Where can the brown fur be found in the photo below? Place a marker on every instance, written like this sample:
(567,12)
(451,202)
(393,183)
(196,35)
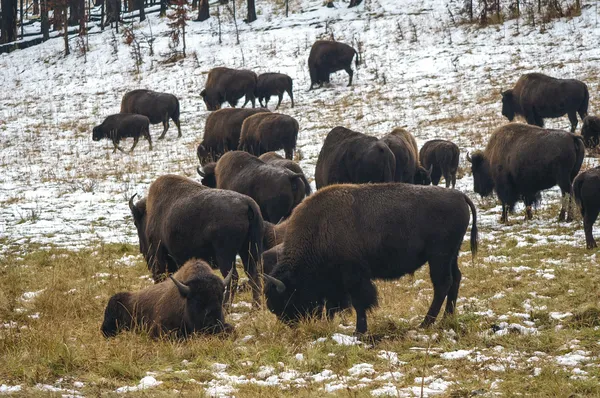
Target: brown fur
(228,85)
(442,157)
(266,132)
(269,84)
(158,107)
(327,57)
(586,190)
(277,160)
(123,125)
(591,131)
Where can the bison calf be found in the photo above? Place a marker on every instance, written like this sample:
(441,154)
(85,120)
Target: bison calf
(191,301)
(327,57)
(586,189)
(123,125)
(269,84)
(408,168)
(158,107)
(441,157)
(591,131)
(228,85)
(266,132)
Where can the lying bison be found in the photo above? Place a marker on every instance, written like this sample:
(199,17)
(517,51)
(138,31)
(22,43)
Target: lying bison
(586,190)
(276,160)
(344,236)
(442,158)
(521,160)
(190,302)
(591,131)
(180,219)
(404,147)
(327,57)
(351,157)
(158,107)
(537,96)
(228,85)
(269,84)
(276,190)
(222,132)
(266,132)
(123,125)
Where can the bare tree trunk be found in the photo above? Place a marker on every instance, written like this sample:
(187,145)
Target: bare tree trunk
(287,7)
(8,31)
(251,11)
(183,38)
(203,11)
(36,7)
(102,16)
(163,8)
(470,10)
(21,18)
(45,23)
(66,31)
(82,15)
(140,6)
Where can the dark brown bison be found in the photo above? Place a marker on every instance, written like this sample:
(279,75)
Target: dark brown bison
(351,157)
(266,132)
(537,96)
(442,158)
(277,160)
(404,147)
(228,85)
(344,236)
(270,258)
(222,132)
(591,131)
(269,84)
(180,219)
(327,57)
(274,234)
(521,160)
(158,107)
(123,125)
(190,302)
(586,190)
(277,190)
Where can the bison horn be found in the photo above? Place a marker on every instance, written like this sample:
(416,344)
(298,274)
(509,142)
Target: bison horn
(430,169)
(134,210)
(469,158)
(227,279)
(278,284)
(200,172)
(183,289)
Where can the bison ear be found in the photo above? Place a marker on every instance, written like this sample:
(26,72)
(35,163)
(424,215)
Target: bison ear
(184,290)
(506,94)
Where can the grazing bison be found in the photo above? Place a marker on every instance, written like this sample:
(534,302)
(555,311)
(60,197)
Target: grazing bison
(521,160)
(404,147)
(591,131)
(180,219)
(586,190)
(190,302)
(270,258)
(441,157)
(123,125)
(327,57)
(222,132)
(158,107)
(266,132)
(351,157)
(228,85)
(344,236)
(537,96)
(269,84)
(276,190)
(276,160)
(274,234)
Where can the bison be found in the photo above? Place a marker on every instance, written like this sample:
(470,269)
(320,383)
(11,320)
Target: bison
(269,84)
(228,85)
(537,96)
(344,236)
(441,157)
(404,147)
(327,57)
(521,160)
(266,132)
(351,157)
(222,132)
(180,219)
(591,131)
(276,190)
(586,190)
(276,160)
(190,302)
(158,107)
(123,125)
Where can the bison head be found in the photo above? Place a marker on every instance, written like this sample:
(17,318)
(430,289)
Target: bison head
(209,178)
(138,211)
(211,99)
(423,175)
(204,155)
(591,131)
(508,109)
(483,184)
(117,315)
(97,133)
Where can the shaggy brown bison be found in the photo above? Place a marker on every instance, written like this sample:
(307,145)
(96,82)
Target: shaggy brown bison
(276,160)
(228,85)
(266,132)
(269,84)
(586,190)
(537,96)
(190,302)
(277,190)
(344,236)
(591,131)
(442,158)
(351,157)
(521,160)
(123,125)
(404,147)
(327,57)
(158,107)
(180,219)
(222,132)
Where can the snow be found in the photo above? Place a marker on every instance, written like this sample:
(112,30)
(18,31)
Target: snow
(145,383)
(344,339)
(573,358)
(5,389)
(459,354)
(29,296)
(361,369)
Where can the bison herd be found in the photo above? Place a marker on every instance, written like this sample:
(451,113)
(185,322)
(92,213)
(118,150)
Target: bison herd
(373,215)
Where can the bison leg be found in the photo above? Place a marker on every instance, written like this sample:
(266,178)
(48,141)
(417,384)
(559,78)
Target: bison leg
(453,292)
(149,138)
(251,269)
(448,179)
(267,98)
(504,218)
(453,180)
(279,103)
(135,142)
(226,262)
(289,153)
(165,127)
(291,96)
(363,297)
(350,74)
(441,277)
(573,120)
(178,124)
(589,218)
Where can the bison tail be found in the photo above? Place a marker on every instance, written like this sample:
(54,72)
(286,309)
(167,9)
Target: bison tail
(474,231)
(583,109)
(577,185)
(255,234)
(579,155)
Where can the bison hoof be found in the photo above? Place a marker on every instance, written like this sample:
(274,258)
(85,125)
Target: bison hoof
(592,245)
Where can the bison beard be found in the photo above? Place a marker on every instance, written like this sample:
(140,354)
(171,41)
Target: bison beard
(336,244)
